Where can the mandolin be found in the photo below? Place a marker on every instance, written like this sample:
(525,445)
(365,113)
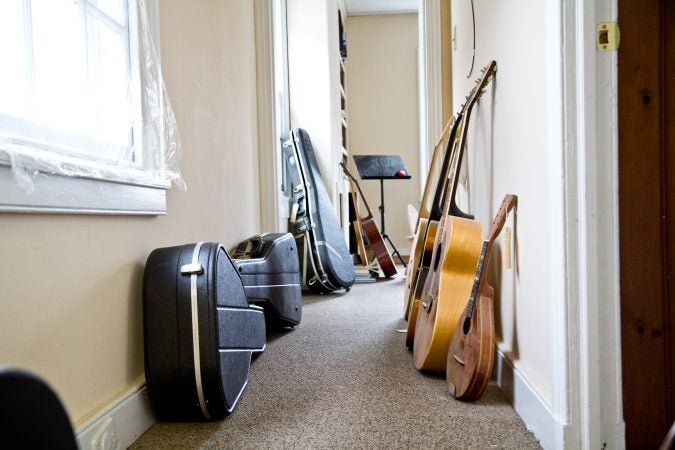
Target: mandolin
(371,231)
(457,248)
(444,200)
(422,223)
(472,348)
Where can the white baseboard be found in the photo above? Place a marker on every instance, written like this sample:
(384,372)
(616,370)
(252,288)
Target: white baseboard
(119,424)
(528,403)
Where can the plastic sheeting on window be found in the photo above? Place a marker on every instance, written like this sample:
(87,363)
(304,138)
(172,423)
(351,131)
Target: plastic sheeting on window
(119,127)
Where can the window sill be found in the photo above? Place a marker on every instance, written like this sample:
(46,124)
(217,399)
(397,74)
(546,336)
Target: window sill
(68,195)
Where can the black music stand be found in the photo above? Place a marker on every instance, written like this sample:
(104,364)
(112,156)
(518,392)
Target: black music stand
(382,167)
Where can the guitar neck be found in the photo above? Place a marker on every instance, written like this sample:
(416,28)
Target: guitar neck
(451,182)
(441,187)
(510,201)
(426,207)
(483,260)
(358,188)
(458,145)
(461,146)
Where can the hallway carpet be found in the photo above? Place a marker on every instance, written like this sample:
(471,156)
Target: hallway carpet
(343,378)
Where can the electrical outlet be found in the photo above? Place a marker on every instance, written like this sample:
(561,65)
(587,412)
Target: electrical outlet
(105,437)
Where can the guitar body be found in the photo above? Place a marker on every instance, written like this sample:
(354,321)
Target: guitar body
(369,228)
(422,271)
(472,350)
(429,214)
(413,269)
(422,247)
(379,248)
(447,288)
(360,245)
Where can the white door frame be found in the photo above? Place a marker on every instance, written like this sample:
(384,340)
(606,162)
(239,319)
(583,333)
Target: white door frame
(593,335)
(429,82)
(268,145)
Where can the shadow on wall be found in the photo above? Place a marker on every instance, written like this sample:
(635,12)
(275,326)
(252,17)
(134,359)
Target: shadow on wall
(135,319)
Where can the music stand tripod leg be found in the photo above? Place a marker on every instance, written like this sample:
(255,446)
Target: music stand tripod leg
(384,233)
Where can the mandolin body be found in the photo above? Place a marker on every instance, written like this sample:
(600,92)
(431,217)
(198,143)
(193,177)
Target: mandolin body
(446,291)
(472,350)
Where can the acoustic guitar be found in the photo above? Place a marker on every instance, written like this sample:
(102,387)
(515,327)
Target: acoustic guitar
(422,222)
(371,231)
(444,199)
(472,348)
(457,248)
(358,233)
(427,233)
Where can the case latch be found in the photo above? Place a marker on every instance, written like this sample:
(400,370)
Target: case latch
(192,269)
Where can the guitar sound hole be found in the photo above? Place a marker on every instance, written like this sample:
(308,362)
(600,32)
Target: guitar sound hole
(437,258)
(467,325)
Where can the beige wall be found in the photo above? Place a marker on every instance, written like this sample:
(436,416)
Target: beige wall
(70,299)
(383,111)
(508,153)
(313,82)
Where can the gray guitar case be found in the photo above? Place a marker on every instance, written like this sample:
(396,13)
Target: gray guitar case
(199,332)
(326,265)
(270,270)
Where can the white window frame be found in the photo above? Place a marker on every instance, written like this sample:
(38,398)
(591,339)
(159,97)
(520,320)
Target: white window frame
(103,192)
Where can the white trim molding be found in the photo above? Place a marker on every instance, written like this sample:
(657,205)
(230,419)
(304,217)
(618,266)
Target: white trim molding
(118,425)
(561,344)
(593,339)
(430,86)
(268,145)
(527,402)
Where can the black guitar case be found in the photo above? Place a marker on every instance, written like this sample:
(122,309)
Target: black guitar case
(199,330)
(326,264)
(31,414)
(270,270)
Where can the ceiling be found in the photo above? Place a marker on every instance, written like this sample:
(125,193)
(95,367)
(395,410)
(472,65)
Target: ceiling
(362,7)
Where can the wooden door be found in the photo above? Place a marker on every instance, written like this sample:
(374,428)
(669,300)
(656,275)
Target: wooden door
(646,205)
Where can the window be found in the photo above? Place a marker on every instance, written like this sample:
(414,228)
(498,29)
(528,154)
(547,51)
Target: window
(82,104)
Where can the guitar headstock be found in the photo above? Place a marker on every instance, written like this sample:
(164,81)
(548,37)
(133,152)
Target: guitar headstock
(481,83)
(510,201)
(478,90)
